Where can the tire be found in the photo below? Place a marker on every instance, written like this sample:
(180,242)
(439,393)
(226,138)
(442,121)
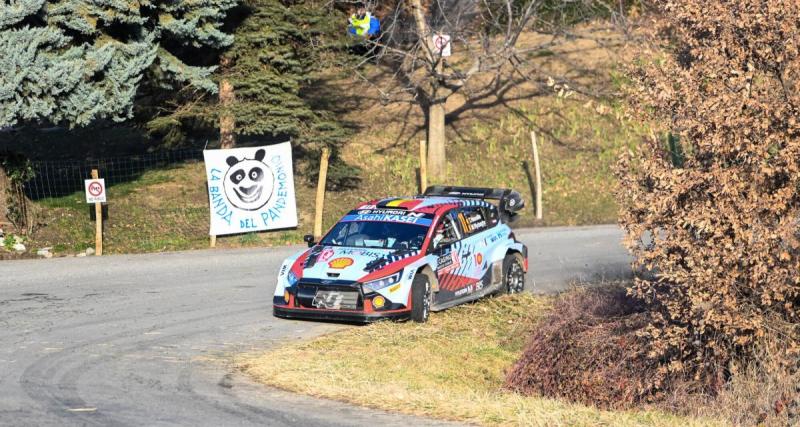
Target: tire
(420,298)
(513,275)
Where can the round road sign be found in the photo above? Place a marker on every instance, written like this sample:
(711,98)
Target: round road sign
(95,189)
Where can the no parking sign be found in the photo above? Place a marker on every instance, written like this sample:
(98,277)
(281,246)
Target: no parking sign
(441,44)
(95,190)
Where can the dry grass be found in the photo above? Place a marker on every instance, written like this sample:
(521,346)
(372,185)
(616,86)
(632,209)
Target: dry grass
(579,142)
(762,392)
(588,350)
(453,368)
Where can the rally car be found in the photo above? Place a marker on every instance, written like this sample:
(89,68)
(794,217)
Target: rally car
(401,258)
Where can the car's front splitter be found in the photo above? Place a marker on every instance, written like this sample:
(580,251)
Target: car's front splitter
(337,315)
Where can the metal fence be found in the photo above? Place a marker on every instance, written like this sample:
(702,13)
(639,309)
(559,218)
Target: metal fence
(180,221)
(58,178)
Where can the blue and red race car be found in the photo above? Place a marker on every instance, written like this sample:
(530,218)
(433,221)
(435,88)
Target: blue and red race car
(403,258)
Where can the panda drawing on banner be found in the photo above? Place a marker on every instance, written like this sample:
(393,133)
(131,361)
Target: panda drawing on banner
(251,189)
(248,183)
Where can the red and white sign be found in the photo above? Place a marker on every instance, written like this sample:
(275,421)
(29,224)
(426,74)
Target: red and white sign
(95,190)
(441,44)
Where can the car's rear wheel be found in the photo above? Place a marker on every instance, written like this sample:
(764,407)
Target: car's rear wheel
(420,298)
(513,275)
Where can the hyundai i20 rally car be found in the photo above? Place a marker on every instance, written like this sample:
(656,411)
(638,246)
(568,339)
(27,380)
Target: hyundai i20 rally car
(403,258)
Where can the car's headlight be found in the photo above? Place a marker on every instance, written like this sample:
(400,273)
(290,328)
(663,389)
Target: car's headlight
(292,278)
(383,282)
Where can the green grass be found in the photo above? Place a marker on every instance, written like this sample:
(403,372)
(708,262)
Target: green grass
(162,210)
(452,367)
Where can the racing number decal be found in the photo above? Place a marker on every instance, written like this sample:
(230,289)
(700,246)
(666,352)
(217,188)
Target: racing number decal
(465,225)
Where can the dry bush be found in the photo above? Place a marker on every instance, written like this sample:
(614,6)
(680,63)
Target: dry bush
(587,350)
(762,392)
(716,214)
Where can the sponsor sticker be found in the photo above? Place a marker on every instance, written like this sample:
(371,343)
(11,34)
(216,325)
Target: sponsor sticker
(464,291)
(340,263)
(389,215)
(418,219)
(326,254)
(329,300)
(447,262)
(361,253)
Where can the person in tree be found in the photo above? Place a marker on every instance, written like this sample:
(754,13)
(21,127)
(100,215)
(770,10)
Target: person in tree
(362,23)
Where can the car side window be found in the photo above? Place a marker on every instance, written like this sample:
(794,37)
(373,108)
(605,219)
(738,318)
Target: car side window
(446,231)
(492,216)
(473,219)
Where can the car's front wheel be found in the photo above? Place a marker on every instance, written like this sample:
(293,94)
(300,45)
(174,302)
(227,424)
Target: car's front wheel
(420,298)
(513,275)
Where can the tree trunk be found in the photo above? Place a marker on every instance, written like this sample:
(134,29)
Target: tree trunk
(227,123)
(15,210)
(437,165)
(5,192)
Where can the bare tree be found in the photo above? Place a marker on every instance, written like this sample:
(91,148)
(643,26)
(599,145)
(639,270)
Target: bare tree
(227,122)
(487,60)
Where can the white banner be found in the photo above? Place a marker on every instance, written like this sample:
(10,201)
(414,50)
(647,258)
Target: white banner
(251,189)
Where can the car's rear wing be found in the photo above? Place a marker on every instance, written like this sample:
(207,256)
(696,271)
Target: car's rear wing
(509,201)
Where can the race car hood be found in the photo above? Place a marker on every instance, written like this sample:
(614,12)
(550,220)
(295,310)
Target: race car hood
(344,263)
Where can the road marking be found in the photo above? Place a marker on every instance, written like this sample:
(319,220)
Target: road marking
(81,409)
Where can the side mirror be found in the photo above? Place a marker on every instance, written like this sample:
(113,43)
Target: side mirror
(309,239)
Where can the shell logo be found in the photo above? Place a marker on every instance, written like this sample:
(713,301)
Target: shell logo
(479,259)
(340,263)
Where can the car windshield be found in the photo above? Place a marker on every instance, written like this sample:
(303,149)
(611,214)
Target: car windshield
(376,234)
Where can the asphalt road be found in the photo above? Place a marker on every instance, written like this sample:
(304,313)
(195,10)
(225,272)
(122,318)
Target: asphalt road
(148,339)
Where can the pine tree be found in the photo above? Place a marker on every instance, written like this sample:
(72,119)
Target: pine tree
(272,66)
(75,61)
(271,62)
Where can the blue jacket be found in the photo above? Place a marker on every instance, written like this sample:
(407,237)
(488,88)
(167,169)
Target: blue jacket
(374,27)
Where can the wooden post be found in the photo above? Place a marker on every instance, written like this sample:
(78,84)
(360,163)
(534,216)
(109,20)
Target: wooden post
(213,242)
(423,166)
(320,203)
(98,215)
(538,172)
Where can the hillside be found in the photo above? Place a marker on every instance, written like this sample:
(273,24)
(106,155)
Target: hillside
(579,139)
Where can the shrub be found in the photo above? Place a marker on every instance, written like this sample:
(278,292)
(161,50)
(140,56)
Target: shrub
(761,392)
(588,350)
(720,228)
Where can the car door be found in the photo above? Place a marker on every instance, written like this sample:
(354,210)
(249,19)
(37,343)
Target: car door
(462,264)
(473,250)
(445,246)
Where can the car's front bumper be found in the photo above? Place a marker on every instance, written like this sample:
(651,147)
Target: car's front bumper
(287,312)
